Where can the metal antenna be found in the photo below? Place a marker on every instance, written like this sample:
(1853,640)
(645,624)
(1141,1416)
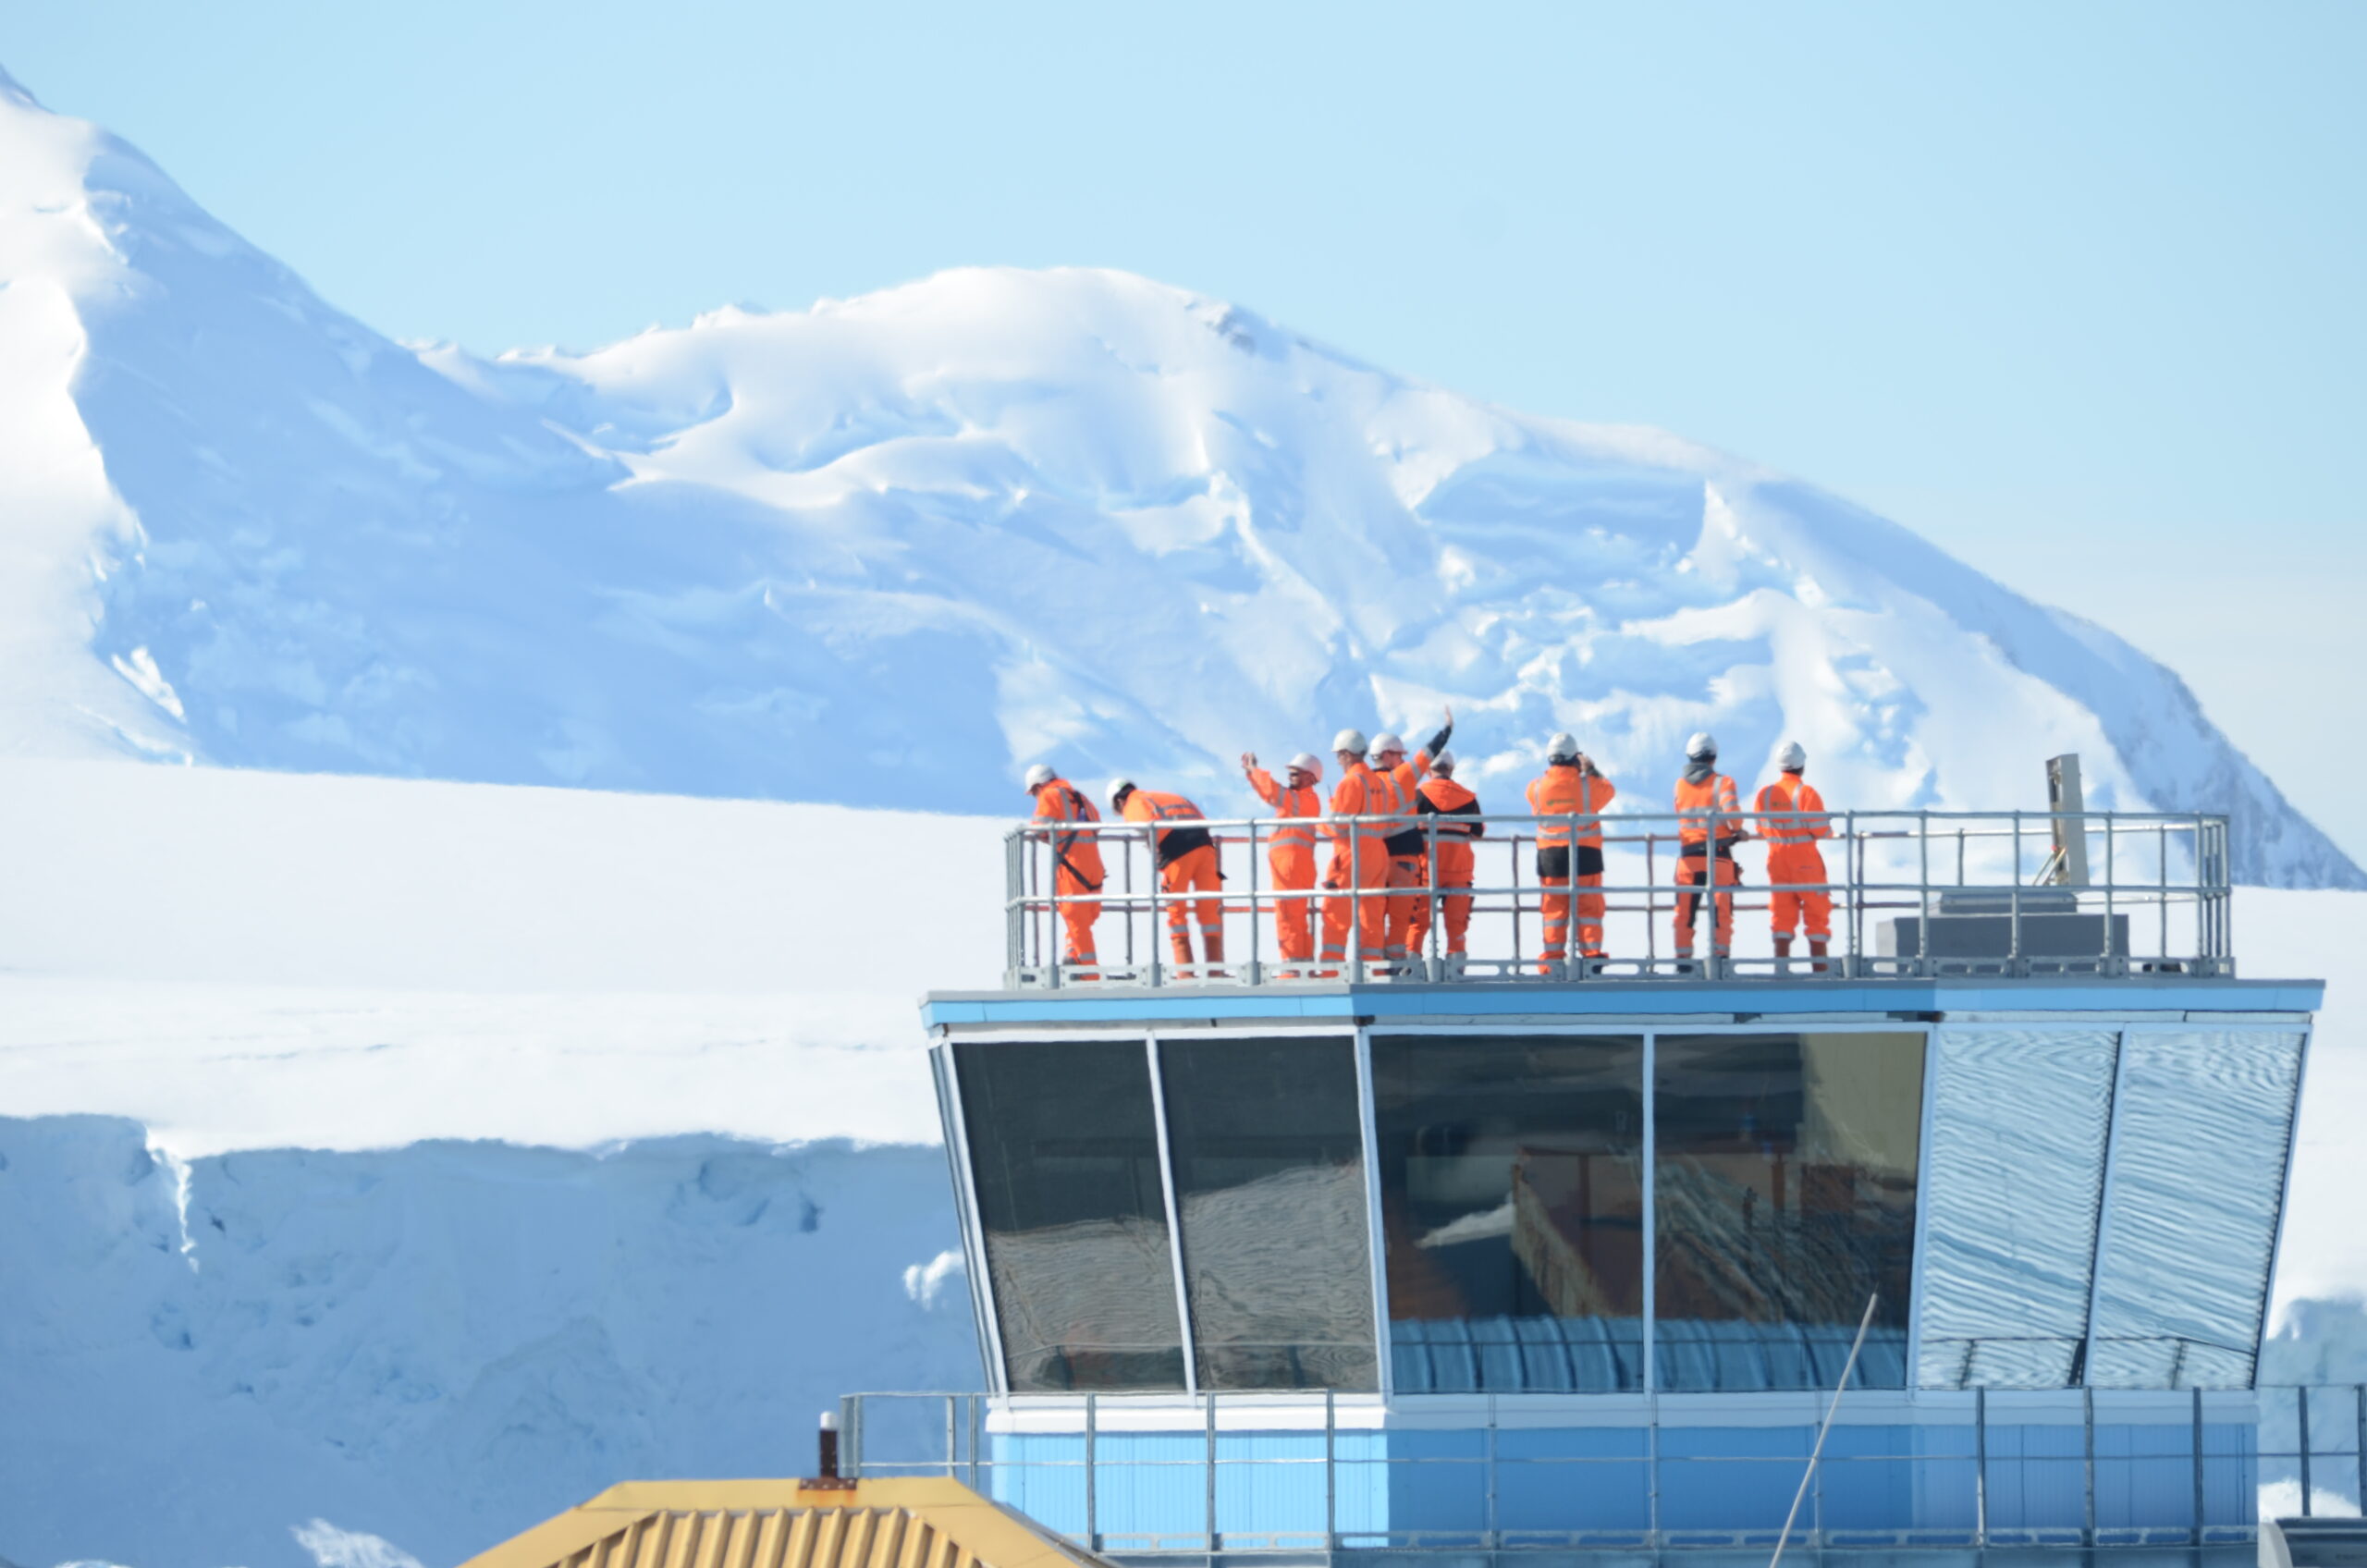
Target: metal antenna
(1817,1451)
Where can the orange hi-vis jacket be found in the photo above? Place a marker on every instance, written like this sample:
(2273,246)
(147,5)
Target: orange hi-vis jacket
(1077,855)
(1791,815)
(1561,792)
(1362,792)
(1451,808)
(1151,805)
(1298,808)
(1696,801)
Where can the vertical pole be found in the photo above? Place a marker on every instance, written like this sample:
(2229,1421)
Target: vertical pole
(1092,1473)
(1923,894)
(1650,1374)
(2014,925)
(1212,1399)
(1853,863)
(2302,1417)
(2198,1466)
(1356,971)
(1157,964)
(1127,861)
(952,1437)
(1331,1475)
(977,1402)
(2112,841)
(2359,1403)
(1980,1468)
(2088,1466)
(1256,966)
(1190,1341)
(1651,900)
(1513,845)
(1490,1536)
(1431,847)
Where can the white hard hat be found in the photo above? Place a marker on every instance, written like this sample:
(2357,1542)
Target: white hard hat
(1039,776)
(1307,763)
(1442,763)
(1563,747)
(1349,740)
(1388,741)
(1791,759)
(1119,788)
(1703,744)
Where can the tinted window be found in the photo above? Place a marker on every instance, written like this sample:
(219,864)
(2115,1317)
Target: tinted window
(1783,1184)
(1065,1157)
(1512,1202)
(1270,1189)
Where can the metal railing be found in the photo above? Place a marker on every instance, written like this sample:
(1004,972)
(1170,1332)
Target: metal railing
(1250,1474)
(1914,894)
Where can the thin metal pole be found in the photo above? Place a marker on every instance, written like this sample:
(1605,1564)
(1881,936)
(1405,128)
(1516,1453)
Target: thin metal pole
(1430,845)
(1981,1467)
(2359,1403)
(1211,1398)
(2087,1464)
(1256,970)
(1092,1473)
(952,1438)
(1331,1475)
(2198,1467)
(2301,1417)
(1830,1411)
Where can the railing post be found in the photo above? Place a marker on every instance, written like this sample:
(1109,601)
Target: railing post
(1157,964)
(1923,892)
(1255,968)
(1980,1468)
(2088,1466)
(1490,1536)
(1211,1398)
(2111,841)
(2198,1467)
(952,1438)
(2014,894)
(1331,1475)
(2302,1424)
(1092,1473)
(1852,865)
(1431,849)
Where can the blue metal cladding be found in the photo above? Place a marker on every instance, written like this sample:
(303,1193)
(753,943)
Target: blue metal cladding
(2014,1180)
(2202,1123)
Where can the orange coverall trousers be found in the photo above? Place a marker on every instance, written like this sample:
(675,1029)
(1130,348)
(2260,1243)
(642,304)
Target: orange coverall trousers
(1454,909)
(1357,863)
(1692,871)
(1293,865)
(1589,905)
(1195,871)
(1077,918)
(1797,864)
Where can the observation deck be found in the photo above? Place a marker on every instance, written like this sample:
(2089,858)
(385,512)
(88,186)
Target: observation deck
(1524,1250)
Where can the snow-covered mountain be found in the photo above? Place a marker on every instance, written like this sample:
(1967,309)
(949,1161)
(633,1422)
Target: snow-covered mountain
(890,550)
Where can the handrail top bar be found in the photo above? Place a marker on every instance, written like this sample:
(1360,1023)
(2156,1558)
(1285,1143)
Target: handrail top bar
(2187,821)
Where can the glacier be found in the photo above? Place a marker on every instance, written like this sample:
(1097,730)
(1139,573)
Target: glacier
(890,551)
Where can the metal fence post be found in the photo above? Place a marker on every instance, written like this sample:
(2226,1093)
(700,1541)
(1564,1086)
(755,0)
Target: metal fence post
(2198,1467)
(1092,1473)
(1490,1536)
(2088,1466)
(1150,848)
(2301,1426)
(1331,1475)
(2359,1404)
(1211,1398)
(1981,1467)
(1256,966)
(952,1437)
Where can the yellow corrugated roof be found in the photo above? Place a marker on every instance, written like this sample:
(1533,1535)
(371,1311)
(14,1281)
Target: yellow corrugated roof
(902,1523)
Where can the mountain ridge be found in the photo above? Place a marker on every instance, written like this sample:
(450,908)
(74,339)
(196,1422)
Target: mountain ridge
(891,549)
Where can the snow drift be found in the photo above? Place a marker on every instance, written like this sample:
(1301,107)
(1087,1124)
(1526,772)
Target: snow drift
(889,551)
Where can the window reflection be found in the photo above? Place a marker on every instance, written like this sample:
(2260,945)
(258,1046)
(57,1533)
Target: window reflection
(1270,1189)
(1785,1188)
(1065,1157)
(2015,1169)
(2190,1216)
(1512,1202)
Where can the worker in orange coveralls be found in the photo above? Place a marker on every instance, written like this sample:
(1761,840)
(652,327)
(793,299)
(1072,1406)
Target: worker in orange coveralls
(1456,811)
(1292,858)
(1408,855)
(1186,858)
(1791,819)
(1360,854)
(1077,862)
(1569,788)
(1699,861)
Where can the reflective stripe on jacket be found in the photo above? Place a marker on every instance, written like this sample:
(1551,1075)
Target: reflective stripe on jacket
(1301,805)
(1565,791)
(1174,843)
(1696,801)
(1361,792)
(1077,855)
(1790,813)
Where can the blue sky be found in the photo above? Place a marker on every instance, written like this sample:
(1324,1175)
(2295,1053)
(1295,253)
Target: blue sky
(2079,292)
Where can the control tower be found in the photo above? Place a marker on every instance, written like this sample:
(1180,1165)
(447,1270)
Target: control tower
(1511,1251)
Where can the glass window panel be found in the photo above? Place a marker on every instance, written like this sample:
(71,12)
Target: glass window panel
(1511,1172)
(1784,1182)
(2016,1173)
(2191,1207)
(1065,1157)
(1269,1188)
